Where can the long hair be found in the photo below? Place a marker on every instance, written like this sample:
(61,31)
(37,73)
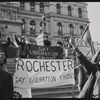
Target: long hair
(2,57)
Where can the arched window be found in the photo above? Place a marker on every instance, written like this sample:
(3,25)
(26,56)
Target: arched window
(81,29)
(59,28)
(58,8)
(80,12)
(41,7)
(40,26)
(32,6)
(71,29)
(22,5)
(69,11)
(23,26)
(32,27)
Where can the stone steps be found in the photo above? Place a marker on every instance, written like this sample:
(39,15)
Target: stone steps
(55,92)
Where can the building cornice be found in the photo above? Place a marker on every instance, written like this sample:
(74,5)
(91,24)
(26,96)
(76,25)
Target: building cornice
(24,12)
(10,22)
(37,14)
(68,17)
(83,3)
(10,7)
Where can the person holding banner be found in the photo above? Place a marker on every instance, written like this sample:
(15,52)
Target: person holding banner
(62,49)
(23,47)
(46,42)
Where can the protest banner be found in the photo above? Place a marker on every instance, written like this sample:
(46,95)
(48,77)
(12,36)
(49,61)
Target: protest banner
(42,52)
(37,52)
(22,93)
(40,73)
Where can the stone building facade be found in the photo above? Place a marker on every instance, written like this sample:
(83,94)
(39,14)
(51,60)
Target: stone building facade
(64,19)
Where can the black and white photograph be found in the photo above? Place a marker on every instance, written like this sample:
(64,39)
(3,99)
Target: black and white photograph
(49,49)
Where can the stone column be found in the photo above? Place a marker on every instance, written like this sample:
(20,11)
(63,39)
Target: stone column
(68,30)
(64,9)
(27,6)
(85,12)
(76,29)
(27,26)
(37,7)
(47,26)
(73,10)
(61,9)
(56,28)
(63,28)
(66,27)
(52,27)
(75,13)
(15,14)
(38,27)
(52,7)
(46,9)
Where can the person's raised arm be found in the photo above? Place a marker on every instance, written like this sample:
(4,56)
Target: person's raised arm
(16,39)
(8,42)
(84,61)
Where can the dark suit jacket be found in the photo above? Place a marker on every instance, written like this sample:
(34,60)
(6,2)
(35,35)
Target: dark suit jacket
(6,85)
(6,45)
(5,49)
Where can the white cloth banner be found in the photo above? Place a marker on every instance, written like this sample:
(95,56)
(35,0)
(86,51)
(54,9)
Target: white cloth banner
(40,73)
(22,93)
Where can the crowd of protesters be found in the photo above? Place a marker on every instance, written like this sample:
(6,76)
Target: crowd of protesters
(6,82)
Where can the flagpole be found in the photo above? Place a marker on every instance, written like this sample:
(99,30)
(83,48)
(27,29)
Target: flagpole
(79,38)
(39,39)
(82,35)
(92,48)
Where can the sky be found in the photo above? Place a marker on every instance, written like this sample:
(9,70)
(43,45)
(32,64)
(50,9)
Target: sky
(93,9)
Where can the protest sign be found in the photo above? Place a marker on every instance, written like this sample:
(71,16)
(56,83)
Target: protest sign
(40,73)
(37,52)
(43,52)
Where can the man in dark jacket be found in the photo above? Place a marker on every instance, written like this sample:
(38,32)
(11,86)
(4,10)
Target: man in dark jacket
(23,47)
(6,81)
(62,50)
(3,49)
(6,85)
(46,42)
